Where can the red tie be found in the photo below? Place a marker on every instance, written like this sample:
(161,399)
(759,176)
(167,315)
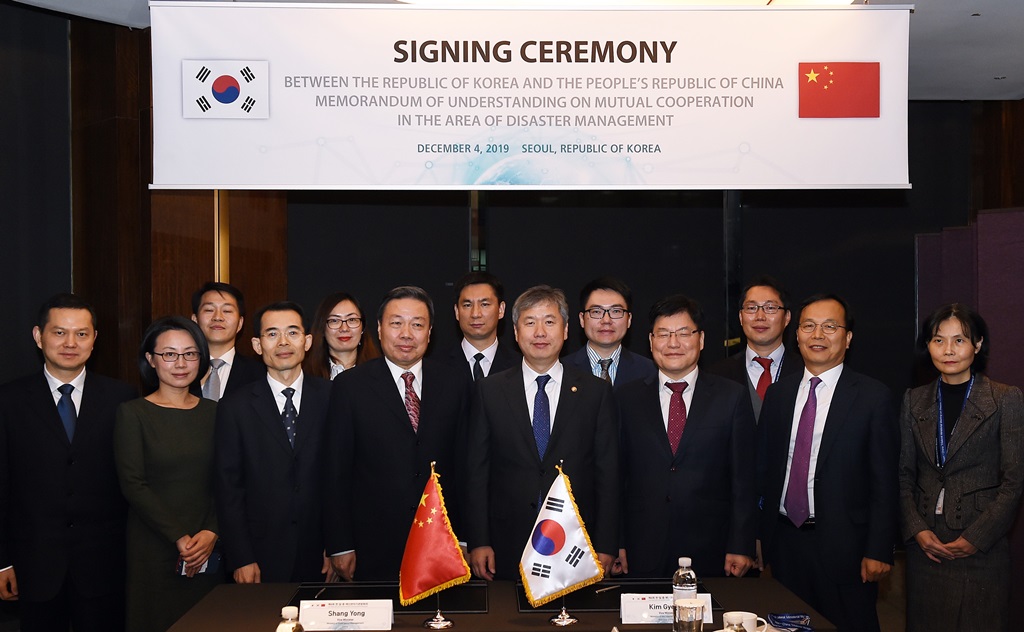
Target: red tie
(412,402)
(676,413)
(765,380)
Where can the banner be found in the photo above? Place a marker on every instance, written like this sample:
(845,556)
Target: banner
(352,96)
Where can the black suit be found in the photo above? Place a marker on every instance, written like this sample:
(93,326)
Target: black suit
(244,370)
(632,366)
(378,466)
(63,519)
(505,357)
(735,368)
(269,494)
(700,502)
(506,477)
(855,497)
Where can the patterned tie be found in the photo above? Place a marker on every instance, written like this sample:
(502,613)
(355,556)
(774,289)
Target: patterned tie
(605,364)
(478,371)
(66,410)
(289,415)
(676,413)
(765,380)
(211,390)
(412,401)
(541,416)
(797,507)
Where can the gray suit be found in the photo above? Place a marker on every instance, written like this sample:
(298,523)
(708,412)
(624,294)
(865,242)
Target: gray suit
(983,477)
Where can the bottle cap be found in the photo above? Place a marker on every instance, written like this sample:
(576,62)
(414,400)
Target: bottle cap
(684,561)
(289,612)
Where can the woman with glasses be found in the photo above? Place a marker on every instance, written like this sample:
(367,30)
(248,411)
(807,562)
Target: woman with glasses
(339,338)
(163,448)
(961,472)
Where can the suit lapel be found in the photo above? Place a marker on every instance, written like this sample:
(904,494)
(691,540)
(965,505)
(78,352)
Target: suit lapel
(651,420)
(842,400)
(264,405)
(41,400)
(312,411)
(980,405)
(696,414)
(568,399)
(386,390)
(515,400)
(787,410)
(925,411)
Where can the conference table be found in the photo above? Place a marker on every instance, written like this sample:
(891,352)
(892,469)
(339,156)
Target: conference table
(253,608)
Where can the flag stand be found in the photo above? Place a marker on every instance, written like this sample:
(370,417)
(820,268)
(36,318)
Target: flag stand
(438,621)
(563,618)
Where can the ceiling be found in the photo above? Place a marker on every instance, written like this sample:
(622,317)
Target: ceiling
(960,50)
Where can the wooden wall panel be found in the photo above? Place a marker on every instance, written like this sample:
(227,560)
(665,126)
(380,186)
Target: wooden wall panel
(182,256)
(258,252)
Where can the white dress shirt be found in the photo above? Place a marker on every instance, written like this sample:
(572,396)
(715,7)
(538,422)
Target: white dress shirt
(665,393)
(552,388)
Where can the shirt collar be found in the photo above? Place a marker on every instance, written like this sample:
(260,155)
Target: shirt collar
(78,382)
(830,377)
(555,373)
(397,371)
(228,357)
(690,379)
(775,355)
(471,351)
(277,387)
(595,357)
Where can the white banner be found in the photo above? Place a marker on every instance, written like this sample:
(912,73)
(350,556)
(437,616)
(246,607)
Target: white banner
(324,96)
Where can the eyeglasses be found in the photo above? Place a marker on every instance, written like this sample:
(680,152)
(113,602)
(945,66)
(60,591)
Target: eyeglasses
(291,334)
(769,308)
(828,328)
(172,356)
(353,322)
(680,334)
(597,313)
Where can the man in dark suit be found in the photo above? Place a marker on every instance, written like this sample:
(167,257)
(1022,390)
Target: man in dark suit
(687,457)
(389,419)
(527,420)
(479,307)
(269,483)
(63,517)
(764,315)
(219,310)
(828,456)
(605,319)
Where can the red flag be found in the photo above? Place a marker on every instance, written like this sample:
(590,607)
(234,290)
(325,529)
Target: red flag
(432,560)
(839,89)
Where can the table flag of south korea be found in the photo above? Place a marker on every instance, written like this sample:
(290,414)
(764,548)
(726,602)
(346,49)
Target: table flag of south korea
(559,557)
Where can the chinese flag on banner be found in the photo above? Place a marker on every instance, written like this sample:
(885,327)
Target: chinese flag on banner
(432,560)
(839,89)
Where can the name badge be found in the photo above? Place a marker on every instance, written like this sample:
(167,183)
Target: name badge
(638,608)
(369,614)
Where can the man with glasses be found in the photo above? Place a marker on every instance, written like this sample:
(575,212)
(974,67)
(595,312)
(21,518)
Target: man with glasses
(764,315)
(605,319)
(687,457)
(219,310)
(269,456)
(479,307)
(828,449)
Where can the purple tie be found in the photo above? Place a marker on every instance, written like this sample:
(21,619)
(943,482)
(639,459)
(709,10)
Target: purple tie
(797,507)
(412,401)
(676,414)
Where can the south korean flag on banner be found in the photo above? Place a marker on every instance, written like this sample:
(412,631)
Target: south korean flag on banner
(559,557)
(225,89)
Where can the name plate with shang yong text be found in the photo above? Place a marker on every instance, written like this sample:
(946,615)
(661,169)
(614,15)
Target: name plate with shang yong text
(368,614)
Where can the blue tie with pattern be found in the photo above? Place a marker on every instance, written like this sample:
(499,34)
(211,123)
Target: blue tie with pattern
(541,416)
(289,415)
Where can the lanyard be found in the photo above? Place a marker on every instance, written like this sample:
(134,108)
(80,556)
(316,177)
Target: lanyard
(940,439)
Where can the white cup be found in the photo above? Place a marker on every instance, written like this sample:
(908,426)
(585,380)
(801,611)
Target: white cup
(750,621)
(688,615)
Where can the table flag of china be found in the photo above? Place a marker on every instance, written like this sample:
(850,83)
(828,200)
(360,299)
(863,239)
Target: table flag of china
(839,89)
(432,560)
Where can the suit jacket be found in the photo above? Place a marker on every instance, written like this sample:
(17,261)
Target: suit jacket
(734,367)
(855,483)
(700,502)
(378,466)
(632,366)
(984,470)
(506,478)
(505,357)
(244,371)
(63,513)
(269,494)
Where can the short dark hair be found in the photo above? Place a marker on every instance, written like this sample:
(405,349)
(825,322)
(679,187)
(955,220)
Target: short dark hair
(606,283)
(480,278)
(63,300)
(973,325)
(766,281)
(280,306)
(677,304)
(223,288)
(406,291)
(171,323)
(814,298)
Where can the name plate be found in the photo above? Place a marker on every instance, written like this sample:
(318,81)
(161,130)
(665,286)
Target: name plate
(368,614)
(655,608)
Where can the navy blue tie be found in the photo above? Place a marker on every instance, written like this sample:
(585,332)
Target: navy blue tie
(289,415)
(66,410)
(541,416)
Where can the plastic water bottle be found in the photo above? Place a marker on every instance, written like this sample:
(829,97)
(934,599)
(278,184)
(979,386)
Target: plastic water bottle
(684,582)
(289,620)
